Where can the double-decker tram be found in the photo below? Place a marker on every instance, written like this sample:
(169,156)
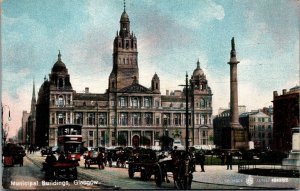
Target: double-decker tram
(69,140)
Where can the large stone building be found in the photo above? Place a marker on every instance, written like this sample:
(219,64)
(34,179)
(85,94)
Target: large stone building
(259,125)
(128,113)
(286,117)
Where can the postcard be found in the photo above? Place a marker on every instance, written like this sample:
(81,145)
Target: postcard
(149,94)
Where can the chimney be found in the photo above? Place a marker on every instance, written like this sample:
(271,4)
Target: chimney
(86,90)
(275,94)
(167,92)
(283,91)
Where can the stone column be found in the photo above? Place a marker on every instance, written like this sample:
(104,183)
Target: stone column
(234,110)
(236,132)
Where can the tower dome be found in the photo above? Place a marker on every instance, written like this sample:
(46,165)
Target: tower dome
(198,71)
(59,66)
(124,17)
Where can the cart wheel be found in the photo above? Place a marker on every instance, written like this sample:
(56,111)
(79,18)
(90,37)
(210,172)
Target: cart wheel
(158,175)
(130,172)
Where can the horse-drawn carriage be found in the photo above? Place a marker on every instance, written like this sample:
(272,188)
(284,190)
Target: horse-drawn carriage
(146,163)
(61,169)
(180,165)
(91,159)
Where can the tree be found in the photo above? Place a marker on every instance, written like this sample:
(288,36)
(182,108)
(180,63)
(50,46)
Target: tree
(176,134)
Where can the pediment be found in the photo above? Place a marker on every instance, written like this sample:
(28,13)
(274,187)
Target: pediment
(135,88)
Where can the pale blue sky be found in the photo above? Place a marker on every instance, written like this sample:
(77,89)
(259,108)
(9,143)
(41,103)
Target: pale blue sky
(172,35)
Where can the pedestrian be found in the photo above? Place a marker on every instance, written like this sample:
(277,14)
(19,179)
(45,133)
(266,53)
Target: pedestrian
(100,160)
(201,161)
(61,157)
(50,159)
(21,155)
(229,161)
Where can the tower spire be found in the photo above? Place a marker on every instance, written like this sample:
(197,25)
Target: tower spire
(198,64)
(124,5)
(232,53)
(33,90)
(59,55)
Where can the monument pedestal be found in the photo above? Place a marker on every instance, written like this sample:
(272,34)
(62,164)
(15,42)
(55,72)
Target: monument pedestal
(293,160)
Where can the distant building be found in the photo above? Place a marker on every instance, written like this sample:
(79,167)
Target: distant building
(221,121)
(24,127)
(128,113)
(286,117)
(260,128)
(258,124)
(30,133)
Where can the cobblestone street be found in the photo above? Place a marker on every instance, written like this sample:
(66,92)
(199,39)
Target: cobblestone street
(216,177)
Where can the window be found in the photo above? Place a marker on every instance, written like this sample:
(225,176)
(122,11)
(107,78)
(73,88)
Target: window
(202,103)
(202,119)
(91,118)
(147,102)
(136,119)
(60,83)
(123,119)
(166,119)
(60,101)
(61,118)
(91,134)
(148,118)
(177,119)
(102,119)
(78,118)
(135,102)
(122,102)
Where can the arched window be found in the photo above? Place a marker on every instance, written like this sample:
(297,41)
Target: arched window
(60,83)
(136,119)
(60,102)
(61,118)
(202,103)
(123,119)
(135,102)
(147,102)
(78,118)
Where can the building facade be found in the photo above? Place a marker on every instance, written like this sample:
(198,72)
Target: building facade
(260,128)
(128,113)
(286,117)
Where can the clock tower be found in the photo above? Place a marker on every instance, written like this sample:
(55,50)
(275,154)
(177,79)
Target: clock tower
(125,57)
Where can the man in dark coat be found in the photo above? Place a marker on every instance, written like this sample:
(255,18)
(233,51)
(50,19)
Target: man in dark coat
(229,161)
(201,161)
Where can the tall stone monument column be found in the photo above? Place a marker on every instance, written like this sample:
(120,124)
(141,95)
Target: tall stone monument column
(238,135)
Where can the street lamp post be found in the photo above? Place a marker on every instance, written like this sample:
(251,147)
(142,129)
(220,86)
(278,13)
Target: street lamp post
(97,128)
(186,113)
(192,84)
